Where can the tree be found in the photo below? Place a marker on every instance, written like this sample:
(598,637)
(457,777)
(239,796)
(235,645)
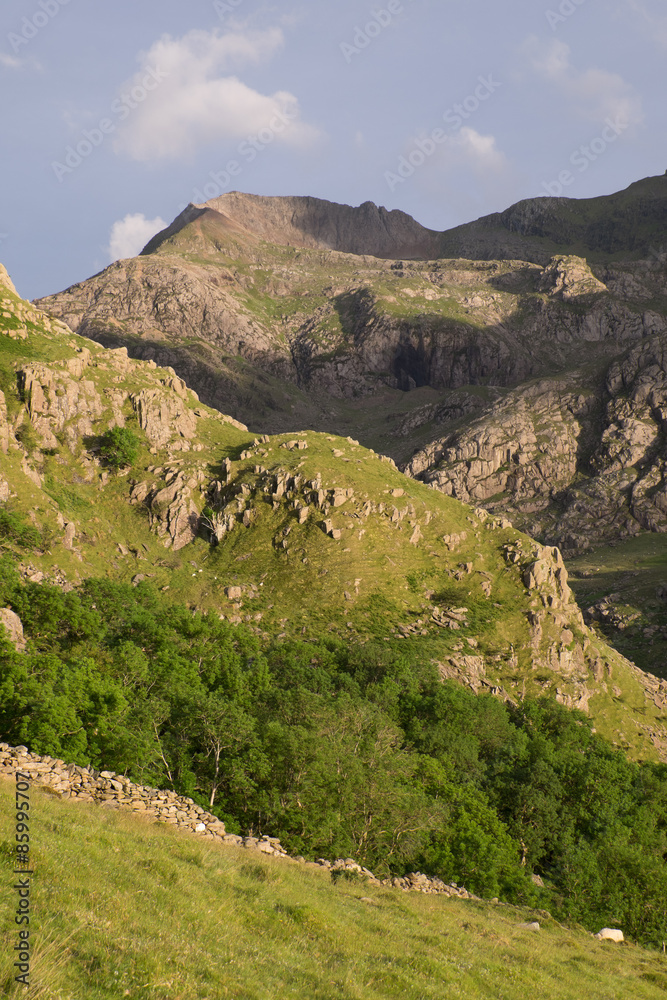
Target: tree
(119,447)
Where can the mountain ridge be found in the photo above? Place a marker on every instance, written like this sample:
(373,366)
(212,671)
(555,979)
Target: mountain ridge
(534,229)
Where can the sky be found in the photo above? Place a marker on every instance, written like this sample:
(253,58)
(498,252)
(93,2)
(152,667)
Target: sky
(116,116)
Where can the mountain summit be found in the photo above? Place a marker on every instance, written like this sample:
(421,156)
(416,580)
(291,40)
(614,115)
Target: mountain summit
(313,223)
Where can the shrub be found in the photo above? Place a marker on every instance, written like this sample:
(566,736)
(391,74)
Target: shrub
(119,447)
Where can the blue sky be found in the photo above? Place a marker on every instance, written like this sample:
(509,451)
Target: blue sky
(114,116)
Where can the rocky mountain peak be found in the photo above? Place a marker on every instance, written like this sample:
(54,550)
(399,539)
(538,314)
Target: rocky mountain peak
(316,223)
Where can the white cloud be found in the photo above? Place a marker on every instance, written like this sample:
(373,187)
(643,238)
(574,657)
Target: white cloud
(596,93)
(478,151)
(471,173)
(200,99)
(130,235)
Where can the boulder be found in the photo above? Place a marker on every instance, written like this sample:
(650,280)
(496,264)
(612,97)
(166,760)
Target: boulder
(13,628)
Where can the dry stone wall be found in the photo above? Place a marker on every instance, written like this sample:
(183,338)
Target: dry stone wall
(114,791)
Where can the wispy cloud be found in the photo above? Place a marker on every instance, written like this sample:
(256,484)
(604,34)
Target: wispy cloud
(10,62)
(595,93)
(202,100)
(654,24)
(480,152)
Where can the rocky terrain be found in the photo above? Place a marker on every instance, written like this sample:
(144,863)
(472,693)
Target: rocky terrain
(531,384)
(247,524)
(314,223)
(288,333)
(476,364)
(582,464)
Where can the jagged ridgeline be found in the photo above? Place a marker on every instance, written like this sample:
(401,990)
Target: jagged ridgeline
(534,386)
(294,312)
(302,535)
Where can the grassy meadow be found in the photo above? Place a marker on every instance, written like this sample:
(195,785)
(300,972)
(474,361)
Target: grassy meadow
(122,907)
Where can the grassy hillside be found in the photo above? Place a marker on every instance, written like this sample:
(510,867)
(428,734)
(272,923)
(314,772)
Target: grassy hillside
(315,534)
(123,908)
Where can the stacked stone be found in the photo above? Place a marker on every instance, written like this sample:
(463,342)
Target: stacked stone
(114,791)
(111,790)
(416,882)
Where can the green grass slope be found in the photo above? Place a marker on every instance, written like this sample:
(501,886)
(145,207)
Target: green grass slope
(315,534)
(124,908)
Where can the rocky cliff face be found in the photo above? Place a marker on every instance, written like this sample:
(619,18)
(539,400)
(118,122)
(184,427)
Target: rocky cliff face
(498,372)
(284,335)
(582,467)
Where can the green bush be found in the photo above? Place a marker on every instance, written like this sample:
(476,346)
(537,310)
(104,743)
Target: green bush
(119,447)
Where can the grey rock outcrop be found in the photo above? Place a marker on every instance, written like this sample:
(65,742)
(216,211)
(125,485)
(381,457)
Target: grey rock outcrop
(165,417)
(6,281)
(58,401)
(173,512)
(12,627)
(576,464)
(569,278)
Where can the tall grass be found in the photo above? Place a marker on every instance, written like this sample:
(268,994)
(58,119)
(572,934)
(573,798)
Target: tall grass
(126,908)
